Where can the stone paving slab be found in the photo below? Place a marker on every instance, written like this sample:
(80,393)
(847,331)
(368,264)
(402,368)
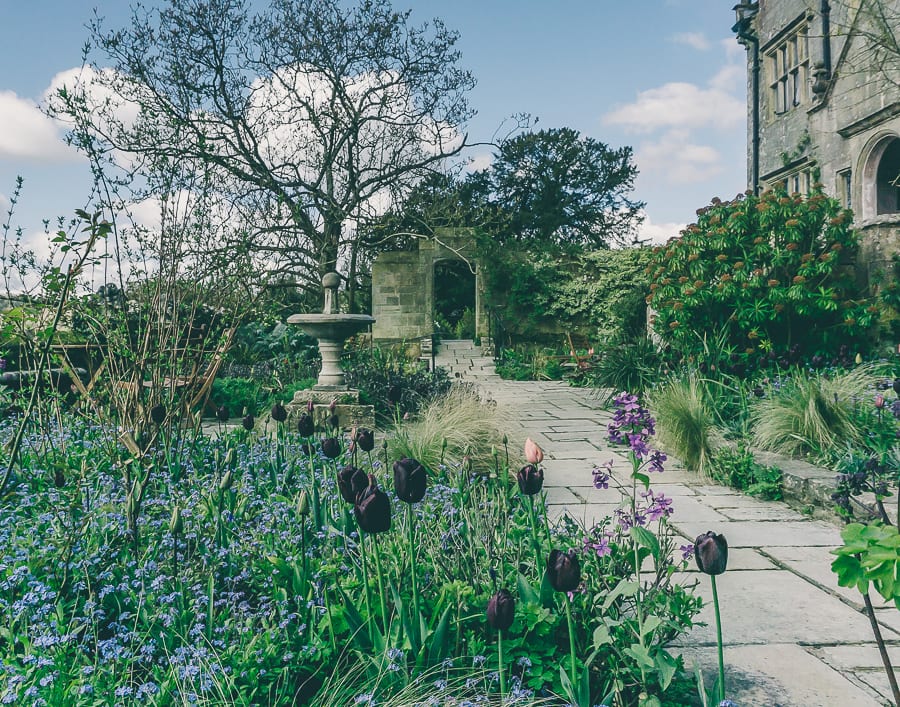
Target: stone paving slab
(793,637)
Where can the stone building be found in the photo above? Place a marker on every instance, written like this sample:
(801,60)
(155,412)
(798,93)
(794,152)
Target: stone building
(823,80)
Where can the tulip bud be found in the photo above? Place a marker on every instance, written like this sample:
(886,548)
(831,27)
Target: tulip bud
(410,480)
(229,456)
(533,453)
(176,524)
(501,610)
(711,553)
(373,508)
(531,479)
(222,414)
(310,407)
(395,394)
(879,402)
(226,482)
(494,452)
(248,422)
(158,414)
(59,479)
(896,387)
(305,425)
(331,447)
(365,439)
(505,440)
(564,570)
(279,413)
(334,421)
(858,360)
(332,405)
(351,481)
(303,504)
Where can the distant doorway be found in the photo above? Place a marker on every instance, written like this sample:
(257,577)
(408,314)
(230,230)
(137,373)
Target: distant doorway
(454,299)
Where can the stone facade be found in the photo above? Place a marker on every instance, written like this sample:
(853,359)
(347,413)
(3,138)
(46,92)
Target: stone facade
(828,108)
(403,287)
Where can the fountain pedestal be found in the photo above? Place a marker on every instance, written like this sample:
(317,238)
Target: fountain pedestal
(332,329)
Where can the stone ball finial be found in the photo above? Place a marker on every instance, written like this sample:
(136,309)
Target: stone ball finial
(331,281)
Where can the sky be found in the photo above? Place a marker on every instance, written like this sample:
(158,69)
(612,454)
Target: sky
(663,76)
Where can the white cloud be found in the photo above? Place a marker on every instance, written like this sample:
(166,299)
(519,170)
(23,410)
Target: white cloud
(657,233)
(679,105)
(479,162)
(677,160)
(4,205)
(28,134)
(695,40)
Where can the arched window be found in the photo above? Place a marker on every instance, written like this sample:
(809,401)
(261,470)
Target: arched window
(887,191)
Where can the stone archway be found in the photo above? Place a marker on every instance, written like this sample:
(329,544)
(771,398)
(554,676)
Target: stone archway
(454,299)
(403,286)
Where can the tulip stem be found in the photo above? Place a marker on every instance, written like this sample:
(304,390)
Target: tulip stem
(500,663)
(365,569)
(412,561)
(534,536)
(719,640)
(384,617)
(882,650)
(572,670)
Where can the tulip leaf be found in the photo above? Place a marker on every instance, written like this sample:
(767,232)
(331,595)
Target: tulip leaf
(547,591)
(440,645)
(526,592)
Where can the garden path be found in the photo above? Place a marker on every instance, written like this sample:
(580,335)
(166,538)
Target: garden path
(793,637)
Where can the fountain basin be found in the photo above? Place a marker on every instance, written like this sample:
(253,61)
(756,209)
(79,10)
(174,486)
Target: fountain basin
(331,327)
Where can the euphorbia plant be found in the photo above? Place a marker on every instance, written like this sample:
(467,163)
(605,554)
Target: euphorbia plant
(772,272)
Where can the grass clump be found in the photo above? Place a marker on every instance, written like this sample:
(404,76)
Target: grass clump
(685,421)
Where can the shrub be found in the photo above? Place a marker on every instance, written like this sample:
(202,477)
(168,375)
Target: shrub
(623,365)
(685,421)
(774,272)
(737,468)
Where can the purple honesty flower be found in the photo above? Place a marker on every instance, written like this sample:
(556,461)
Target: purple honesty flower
(657,458)
(638,444)
(659,507)
(687,551)
(602,474)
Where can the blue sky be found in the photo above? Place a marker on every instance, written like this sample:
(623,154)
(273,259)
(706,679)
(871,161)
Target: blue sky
(665,76)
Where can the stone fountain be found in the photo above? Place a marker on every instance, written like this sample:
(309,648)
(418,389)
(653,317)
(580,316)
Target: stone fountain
(332,329)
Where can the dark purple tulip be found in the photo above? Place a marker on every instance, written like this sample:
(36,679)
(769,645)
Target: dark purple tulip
(59,479)
(373,508)
(279,413)
(759,392)
(306,448)
(395,394)
(564,570)
(305,425)
(365,439)
(711,553)
(158,413)
(222,414)
(331,447)
(896,387)
(410,480)
(248,422)
(501,610)
(350,482)
(531,479)
(334,421)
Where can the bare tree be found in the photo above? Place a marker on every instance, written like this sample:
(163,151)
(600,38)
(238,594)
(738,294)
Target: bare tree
(308,115)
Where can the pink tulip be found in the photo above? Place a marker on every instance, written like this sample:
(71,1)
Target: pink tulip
(879,401)
(533,453)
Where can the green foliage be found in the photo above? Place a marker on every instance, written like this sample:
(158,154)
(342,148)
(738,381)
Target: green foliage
(685,420)
(737,468)
(374,372)
(529,363)
(597,294)
(870,555)
(774,272)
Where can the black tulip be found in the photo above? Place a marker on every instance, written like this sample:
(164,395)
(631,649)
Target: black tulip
(564,570)
(501,610)
(222,414)
(896,387)
(711,553)
(759,392)
(334,421)
(248,422)
(279,413)
(410,480)
(306,448)
(59,479)
(395,394)
(365,439)
(350,482)
(531,479)
(305,425)
(158,413)
(331,447)
(373,508)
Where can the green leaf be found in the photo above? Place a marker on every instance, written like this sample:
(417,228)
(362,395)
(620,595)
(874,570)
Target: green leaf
(651,623)
(601,636)
(641,655)
(666,666)
(622,589)
(440,645)
(526,592)
(646,539)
